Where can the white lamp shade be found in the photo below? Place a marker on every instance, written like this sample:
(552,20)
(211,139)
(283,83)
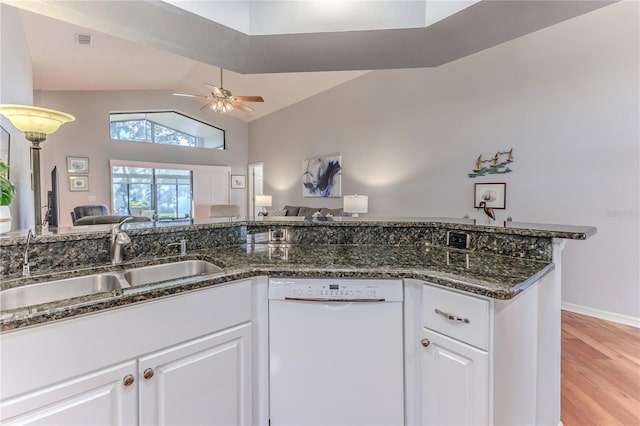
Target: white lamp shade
(263,200)
(356,204)
(28,118)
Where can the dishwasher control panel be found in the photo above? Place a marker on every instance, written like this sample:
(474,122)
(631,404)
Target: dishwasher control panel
(339,289)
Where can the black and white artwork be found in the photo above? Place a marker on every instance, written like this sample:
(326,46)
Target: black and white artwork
(321,177)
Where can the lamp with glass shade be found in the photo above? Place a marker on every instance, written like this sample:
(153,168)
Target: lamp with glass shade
(36,123)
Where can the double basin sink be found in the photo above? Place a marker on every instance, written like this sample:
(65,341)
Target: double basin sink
(87,285)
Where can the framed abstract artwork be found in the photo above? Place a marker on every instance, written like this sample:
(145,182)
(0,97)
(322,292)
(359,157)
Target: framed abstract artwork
(322,176)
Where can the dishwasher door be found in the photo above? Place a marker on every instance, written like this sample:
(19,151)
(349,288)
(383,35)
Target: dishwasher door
(336,362)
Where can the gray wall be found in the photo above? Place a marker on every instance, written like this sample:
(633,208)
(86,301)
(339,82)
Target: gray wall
(16,87)
(88,136)
(564,98)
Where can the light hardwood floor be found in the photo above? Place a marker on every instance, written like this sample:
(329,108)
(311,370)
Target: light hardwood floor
(600,372)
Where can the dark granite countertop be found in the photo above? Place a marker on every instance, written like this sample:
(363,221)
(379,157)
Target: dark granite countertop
(543,230)
(495,276)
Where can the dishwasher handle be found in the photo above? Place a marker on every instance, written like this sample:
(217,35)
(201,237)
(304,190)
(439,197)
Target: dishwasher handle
(324,300)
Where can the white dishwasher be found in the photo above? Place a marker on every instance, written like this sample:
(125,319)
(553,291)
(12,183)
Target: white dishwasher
(336,352)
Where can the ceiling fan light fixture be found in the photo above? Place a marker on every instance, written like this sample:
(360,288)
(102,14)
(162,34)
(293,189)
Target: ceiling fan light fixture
(222,106)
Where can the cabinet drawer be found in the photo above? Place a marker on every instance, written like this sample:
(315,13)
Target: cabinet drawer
(462,317)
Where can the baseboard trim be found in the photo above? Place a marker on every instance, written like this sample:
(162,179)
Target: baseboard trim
(605,315)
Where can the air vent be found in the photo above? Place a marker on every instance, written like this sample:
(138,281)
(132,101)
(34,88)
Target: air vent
(83,39)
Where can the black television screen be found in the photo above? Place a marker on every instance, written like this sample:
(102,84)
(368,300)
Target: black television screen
(52,200)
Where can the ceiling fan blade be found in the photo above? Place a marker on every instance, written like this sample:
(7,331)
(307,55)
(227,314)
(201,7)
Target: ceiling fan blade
(215,90)
(191,96)
(238,105)
(249,98)
(209,105)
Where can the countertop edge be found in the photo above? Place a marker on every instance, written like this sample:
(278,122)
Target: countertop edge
(84,306)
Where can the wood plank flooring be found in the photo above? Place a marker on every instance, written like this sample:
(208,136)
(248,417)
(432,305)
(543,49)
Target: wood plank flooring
(600,372)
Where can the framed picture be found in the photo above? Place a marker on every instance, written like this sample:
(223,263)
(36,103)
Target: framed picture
(5,147)
(493,194)
(78,183)
(77,164)
(321,176)
(238,181)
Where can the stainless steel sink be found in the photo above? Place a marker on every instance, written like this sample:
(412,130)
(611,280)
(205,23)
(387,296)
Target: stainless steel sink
(51,291)
(169,271)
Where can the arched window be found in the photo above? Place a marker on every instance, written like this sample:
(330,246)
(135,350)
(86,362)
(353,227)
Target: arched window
(164,127)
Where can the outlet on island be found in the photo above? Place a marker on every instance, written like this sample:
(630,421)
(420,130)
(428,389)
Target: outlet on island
(458,240)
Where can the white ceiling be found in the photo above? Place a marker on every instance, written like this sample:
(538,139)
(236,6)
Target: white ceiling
(112,63)
(151,45)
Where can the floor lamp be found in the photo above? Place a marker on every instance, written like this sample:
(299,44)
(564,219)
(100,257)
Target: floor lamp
(36,123)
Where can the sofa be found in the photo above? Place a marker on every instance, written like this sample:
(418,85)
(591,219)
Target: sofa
(310,211)
(98,214)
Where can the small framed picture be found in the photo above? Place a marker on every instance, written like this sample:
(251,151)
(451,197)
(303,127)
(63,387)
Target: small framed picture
(493,194)
(77,164)
(78,183)
(238,181)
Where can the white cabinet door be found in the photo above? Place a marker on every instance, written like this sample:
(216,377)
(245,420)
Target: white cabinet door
(455,382)
(206,381)
(99,398)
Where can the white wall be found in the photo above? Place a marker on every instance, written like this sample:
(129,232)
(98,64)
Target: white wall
(564,98)
(88,136)
(16,87)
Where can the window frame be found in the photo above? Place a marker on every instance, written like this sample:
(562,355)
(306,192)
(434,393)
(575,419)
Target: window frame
(153,123)
(202,191)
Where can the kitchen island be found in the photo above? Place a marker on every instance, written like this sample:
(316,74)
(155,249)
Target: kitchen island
(503,267)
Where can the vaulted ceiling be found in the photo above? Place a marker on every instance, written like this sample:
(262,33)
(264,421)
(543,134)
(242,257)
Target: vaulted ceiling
(157,45)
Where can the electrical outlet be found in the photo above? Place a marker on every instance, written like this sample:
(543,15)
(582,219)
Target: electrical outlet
(458,240)
(92,198)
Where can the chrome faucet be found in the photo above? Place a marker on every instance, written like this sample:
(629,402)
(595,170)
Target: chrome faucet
(183,246)
(25,260)
(119,239)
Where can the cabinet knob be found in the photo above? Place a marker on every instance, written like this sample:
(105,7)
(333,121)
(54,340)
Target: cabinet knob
(148,373)
(128,380)
(425,342)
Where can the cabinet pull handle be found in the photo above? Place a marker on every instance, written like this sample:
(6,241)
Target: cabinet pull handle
(148,373)
(425,342)
(452,317)
(128,380)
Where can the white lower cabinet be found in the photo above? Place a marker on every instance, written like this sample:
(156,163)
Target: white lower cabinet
(455,381)
(96,398)
(201,382)
(182,360)
(477,358)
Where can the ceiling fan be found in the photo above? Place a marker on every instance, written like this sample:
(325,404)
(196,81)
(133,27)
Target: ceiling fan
(222,100)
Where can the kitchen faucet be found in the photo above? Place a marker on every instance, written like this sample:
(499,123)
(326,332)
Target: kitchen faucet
(25,260)
(119,238)
(183,246)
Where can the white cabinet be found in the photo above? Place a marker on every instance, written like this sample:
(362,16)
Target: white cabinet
(455,382)
(102,397)
(198,345)
(477,357)
(455,361)
(205,381)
